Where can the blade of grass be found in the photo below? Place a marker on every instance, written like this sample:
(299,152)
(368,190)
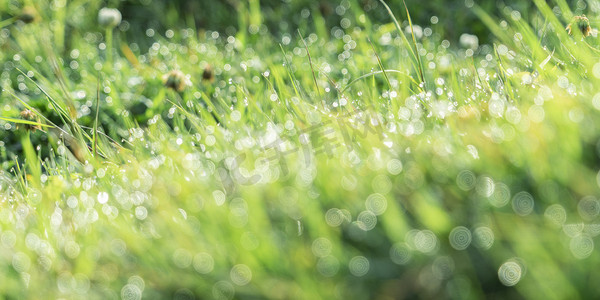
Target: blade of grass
(290,73)
(503,75)
(380,66)
(410,49)
(39,114)
(492,25)
(8,21)
(21,176)
(100,133)
(312,68)
(25,122)
(412,31)
(95,133)
(481,82)
(545,61)
(31,160)
(190,117)
(57,69)
(212,108)
(80,135)
(130,56)
(293,80)
(375,73)
(55,105)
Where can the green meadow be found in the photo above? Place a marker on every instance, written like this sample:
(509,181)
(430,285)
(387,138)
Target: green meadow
(353,149)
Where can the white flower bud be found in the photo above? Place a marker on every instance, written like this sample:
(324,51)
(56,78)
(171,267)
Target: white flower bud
(109,17)
(469,41)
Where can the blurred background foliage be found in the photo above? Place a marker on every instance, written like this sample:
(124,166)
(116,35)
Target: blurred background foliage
(282,16)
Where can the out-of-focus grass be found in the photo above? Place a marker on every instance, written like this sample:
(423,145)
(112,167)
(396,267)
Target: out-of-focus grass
(255,183)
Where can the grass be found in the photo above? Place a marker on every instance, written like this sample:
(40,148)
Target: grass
(351,164)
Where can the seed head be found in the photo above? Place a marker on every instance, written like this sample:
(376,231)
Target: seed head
(28,115)
(582,23)
(208,73)
(28,15)
(325,8)
(176,80)
(109,17)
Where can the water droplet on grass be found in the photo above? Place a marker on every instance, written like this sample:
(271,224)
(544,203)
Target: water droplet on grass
(102,197)
(141,212)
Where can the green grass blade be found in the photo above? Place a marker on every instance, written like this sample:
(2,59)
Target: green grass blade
(312,69)
(95,133)
(25,122)
(414,59)
(416,53)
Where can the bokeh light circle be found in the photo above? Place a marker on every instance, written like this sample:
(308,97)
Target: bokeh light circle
(223,290)
(483,237)
(376,203)
(460,238)
(573,229)
(426,241)
(400,253)
(465,180)
(321,247)
(485,186)
(510,273)
(556,214)
(588,208)
(240,274)
(328,266)
(334,217)
(131,292)
(501,195)
(366,220)
(581,246)
(203,263)
(523,203)
(359,266)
